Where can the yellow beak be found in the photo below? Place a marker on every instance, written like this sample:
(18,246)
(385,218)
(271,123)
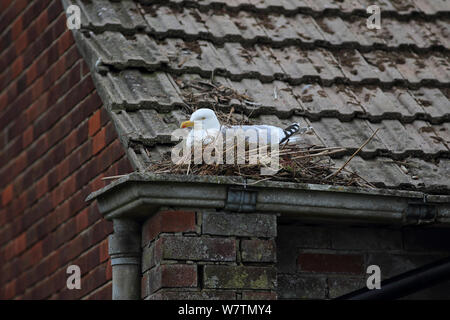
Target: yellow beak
(187,124)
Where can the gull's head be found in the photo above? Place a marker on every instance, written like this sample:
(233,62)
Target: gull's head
(202,118)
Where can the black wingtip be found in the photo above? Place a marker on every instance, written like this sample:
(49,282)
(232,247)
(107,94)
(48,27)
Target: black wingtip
(290,131)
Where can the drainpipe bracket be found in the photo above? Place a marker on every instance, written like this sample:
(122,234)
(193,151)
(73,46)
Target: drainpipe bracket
(124,259)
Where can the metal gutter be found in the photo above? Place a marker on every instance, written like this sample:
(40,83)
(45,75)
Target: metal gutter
(139,194)
(136,196)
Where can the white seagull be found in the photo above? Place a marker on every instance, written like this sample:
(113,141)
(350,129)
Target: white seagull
(206,128)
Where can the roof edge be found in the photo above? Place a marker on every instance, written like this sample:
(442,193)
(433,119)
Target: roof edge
(139,195)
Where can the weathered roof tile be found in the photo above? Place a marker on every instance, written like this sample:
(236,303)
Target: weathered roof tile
(381,171)
(132,89)
(308,61)
(109,15)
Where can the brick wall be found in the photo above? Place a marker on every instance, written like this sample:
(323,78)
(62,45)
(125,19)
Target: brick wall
(322,262)
(199,254)
(56,144)
(208,255)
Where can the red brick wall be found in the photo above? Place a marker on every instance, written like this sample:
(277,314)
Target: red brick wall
(56,144)
(205,254)
(325,262)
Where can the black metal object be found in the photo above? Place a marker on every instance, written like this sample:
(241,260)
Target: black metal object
(241,199)
(405,283)
(421,212)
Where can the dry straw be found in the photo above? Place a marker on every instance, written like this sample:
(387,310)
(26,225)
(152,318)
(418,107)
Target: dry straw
(296,164)
(311,164)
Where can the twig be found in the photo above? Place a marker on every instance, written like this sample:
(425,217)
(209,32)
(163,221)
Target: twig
(261,180)
(353,155)
(323,153)
(325,149)
(210,84)
(189,167)
(114,177)
(229,115)
(252,103)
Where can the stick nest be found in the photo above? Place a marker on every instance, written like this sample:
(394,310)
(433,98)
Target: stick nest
(296,164)
(310,164)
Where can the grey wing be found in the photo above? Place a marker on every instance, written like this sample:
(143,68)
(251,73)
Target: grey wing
(258,133)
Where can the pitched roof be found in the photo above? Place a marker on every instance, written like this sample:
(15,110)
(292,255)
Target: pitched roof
(299,60)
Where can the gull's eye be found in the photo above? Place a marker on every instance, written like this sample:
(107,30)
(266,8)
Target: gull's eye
(203,118)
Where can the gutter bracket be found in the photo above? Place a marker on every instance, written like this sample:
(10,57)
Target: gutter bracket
(421,212)
(241,199)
